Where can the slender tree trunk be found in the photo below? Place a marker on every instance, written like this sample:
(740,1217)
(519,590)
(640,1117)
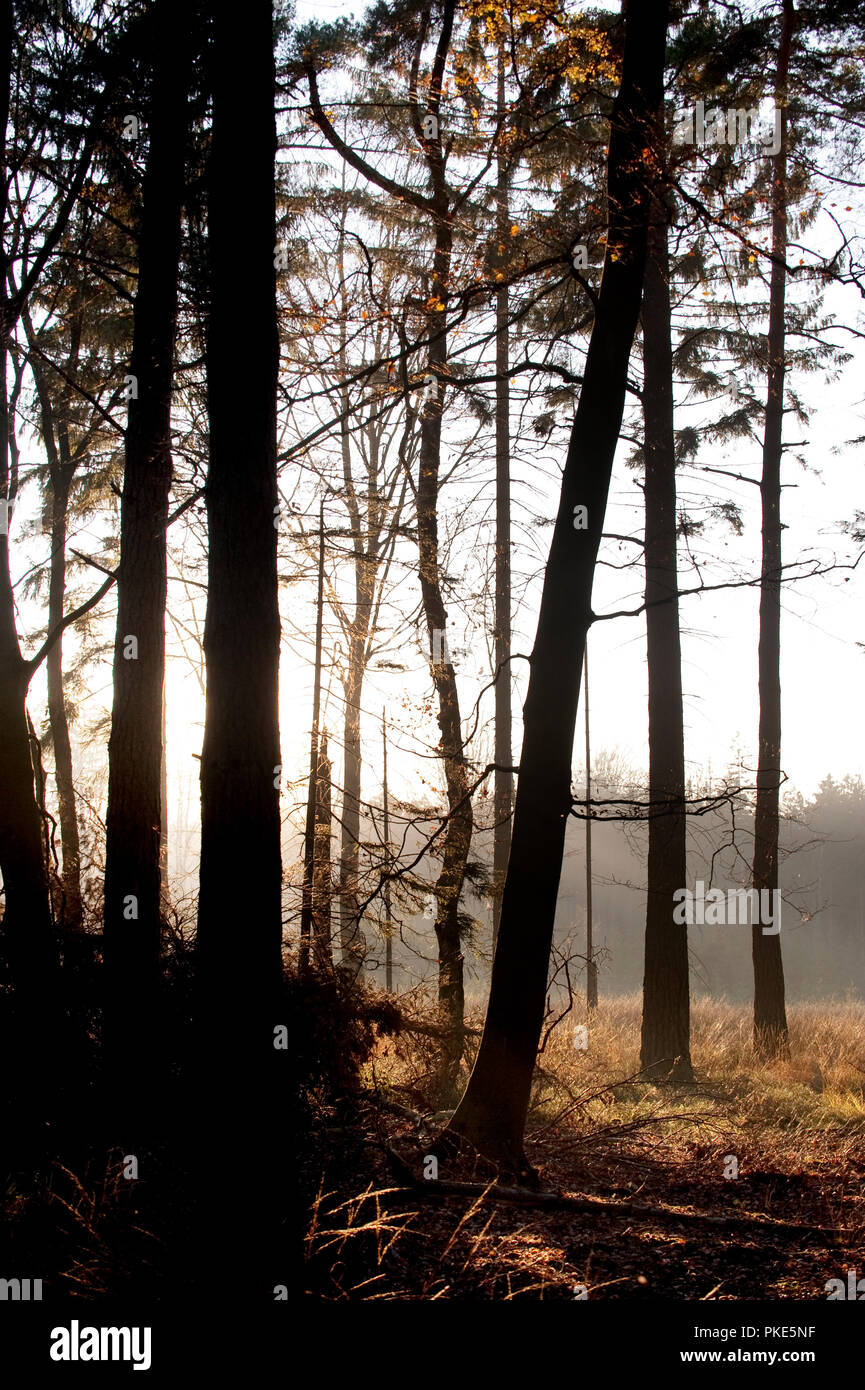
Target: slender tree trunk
(770,1014)
(306,910)
(351,939)
(61,472)
(132,852)
(457,838)
(388,925)
(503,792)
(665,1050)
(164,889)
(57,714)
(322,887)
(352,945)
(492,1113)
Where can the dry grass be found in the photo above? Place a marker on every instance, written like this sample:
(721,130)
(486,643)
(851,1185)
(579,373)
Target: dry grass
(596,1127)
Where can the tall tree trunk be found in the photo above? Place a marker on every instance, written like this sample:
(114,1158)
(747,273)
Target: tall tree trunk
(503,787)
(132,851)
(458,835)
(239,944)
(492,1113)
(770,1014)
(665,1050)
(241,875)
(29,945)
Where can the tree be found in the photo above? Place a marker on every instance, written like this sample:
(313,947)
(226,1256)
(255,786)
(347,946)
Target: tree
(665,1048)
(134,818)
(491,1115)
(239,943)
(439,207)
(29,940)
(770,1016)
(240,757)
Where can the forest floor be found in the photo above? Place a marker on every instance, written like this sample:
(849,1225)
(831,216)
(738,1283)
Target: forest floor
(671,1220)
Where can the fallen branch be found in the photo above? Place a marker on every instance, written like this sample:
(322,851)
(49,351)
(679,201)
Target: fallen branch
(598,1206)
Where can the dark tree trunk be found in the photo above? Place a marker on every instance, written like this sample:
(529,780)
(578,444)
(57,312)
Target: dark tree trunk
(132,855)
(239,944)
(492,1113)
(240,924)
(458,835)
(770,1014)
(503,788)
(665,1048)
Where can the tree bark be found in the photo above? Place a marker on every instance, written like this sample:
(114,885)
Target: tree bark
(352,943)
(665,1049)
(132,853)
(770,1014)
(245,1090)
(503,787)
(457,838)
(491,1115)
(241,875)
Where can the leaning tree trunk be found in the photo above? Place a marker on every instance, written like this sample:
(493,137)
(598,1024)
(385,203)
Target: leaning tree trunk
(492,1113)
(666,1004)
(770,1014)
(132,853)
